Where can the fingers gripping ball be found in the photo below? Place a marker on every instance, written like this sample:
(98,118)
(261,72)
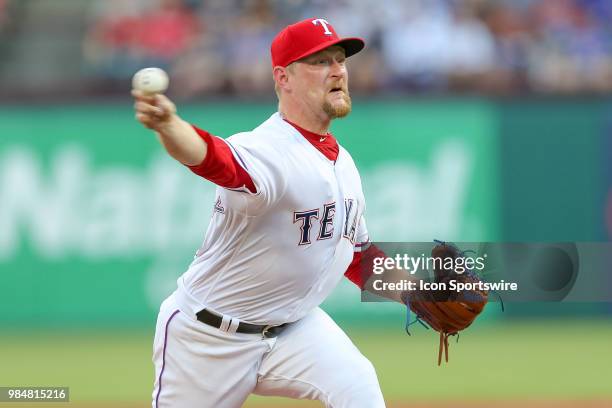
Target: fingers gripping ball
(150,81)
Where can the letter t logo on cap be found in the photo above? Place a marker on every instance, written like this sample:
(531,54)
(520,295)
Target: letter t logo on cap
(303,38)
(324,23)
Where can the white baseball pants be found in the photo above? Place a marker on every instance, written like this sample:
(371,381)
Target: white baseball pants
(199,366)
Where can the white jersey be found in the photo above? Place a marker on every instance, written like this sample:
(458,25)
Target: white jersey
(273,256)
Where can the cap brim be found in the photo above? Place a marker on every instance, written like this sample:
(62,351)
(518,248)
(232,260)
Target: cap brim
(351,45)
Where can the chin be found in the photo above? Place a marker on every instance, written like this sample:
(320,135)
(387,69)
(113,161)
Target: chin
(338,109)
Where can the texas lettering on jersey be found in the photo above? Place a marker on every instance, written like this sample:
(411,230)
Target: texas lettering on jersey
(266,194)
(325,216)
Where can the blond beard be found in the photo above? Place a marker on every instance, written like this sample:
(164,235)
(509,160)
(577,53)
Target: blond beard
(338,110)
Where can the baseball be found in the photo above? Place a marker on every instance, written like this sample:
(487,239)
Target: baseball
(150,80)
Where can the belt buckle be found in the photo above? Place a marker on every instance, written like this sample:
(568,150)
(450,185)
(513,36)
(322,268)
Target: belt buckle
(265,331)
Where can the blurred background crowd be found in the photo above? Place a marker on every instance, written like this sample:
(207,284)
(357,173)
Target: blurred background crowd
(497,47)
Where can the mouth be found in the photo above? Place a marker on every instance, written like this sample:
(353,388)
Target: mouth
(336,89)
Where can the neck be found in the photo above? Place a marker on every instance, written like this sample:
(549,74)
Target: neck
(306,119)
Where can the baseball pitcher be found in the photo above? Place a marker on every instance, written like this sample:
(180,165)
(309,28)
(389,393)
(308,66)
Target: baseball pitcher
(287,225)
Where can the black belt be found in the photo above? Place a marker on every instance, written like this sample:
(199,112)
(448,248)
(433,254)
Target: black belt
(215,320)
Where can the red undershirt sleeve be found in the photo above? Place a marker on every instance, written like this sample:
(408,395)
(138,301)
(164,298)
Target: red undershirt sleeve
(220,166)
(360,269)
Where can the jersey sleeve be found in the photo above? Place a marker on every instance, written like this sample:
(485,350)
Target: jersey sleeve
(360,268)
(362,238)
(221,166)
(265,164)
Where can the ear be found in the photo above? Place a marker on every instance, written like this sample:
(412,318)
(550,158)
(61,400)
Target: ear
(281,78)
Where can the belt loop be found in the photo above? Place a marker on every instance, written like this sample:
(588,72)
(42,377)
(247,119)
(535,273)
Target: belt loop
(225,323)
(265,330)
(233,326)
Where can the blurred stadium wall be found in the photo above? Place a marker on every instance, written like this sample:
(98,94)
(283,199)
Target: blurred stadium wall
(92,210)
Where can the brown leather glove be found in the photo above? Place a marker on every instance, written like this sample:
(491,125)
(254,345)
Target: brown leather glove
(446,311)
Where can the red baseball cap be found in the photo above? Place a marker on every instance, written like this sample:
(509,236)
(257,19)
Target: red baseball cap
(306,37)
